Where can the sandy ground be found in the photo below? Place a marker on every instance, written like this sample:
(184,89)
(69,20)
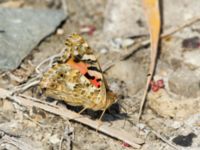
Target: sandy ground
(127,78)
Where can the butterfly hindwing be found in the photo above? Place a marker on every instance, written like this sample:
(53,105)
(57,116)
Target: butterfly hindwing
(77,78)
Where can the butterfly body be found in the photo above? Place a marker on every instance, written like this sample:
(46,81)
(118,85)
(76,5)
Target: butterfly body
(77,78)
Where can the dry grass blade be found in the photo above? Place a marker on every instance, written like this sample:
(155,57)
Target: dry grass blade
(116,133)
(154,22)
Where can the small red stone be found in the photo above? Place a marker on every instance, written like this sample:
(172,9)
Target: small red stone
(89,29)
(160,83)
(198,45)
(92,29)
(125,144)
(155,87)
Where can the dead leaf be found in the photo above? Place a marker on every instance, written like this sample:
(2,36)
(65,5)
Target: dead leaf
(152,11)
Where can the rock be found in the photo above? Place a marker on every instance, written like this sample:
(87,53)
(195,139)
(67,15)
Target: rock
(22,30)
(118,43)
(191,43)
(175,124)
(185,83)
(54,139)
(184,141)
(168,106)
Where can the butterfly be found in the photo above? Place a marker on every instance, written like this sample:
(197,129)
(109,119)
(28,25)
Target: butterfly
(77,79)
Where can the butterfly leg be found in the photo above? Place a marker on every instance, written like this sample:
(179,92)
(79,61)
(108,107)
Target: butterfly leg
(102,114)
(82,110)
(100,119)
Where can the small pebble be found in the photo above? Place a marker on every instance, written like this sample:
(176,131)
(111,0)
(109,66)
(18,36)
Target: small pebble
(60,31)
(185,141)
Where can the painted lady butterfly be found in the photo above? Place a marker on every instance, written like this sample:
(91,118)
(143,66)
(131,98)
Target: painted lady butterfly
(77,78)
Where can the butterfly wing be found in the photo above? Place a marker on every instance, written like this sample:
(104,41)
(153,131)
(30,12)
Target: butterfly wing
(77,78)
(65,83)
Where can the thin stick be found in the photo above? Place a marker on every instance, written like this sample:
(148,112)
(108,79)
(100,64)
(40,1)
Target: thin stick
(116,133)
(164,140)
(181,26)
(26,86)
(50,59)
(163,35)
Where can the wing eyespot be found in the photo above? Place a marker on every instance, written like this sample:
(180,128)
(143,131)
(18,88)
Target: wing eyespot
(61,75)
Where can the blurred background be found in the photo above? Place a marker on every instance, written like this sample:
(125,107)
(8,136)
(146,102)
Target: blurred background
(34,30)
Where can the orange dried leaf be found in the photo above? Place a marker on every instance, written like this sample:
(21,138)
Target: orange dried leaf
(151,8)
(152,11)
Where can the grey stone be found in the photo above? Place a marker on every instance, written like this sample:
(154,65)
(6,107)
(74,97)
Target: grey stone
(169,105)
(185,83)
(22,30)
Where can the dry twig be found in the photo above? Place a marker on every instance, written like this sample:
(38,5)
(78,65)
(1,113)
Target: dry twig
(171,31)
(50,60)
(164,139)
(27,85)
(15,141)
(116,133)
